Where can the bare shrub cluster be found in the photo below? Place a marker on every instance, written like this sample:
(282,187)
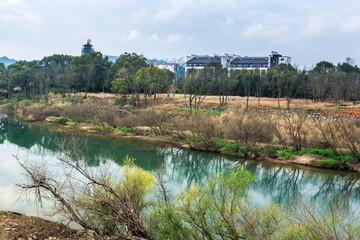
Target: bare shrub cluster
(247,130)
(204,131)
(155,119)
(340,135)
(39,112)
(97,114)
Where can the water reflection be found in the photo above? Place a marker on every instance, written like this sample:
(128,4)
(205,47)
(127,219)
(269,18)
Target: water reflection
(283,184)
(273,182)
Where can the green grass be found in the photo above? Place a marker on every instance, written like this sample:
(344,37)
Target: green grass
(285,154)
(61,120)
(75,124)
(325,153)
(125,129)
(212,112)
(230,147)
(102,129)
(25,102)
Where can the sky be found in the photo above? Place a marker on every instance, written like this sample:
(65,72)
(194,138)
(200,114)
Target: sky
(306,30)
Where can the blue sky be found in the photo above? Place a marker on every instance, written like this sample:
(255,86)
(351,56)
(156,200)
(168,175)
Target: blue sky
(308,31)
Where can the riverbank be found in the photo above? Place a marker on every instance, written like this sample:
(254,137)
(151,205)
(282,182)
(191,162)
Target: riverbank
(240,134)
(18,226)
(145,134)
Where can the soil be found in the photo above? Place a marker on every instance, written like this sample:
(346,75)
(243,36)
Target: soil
(18,226)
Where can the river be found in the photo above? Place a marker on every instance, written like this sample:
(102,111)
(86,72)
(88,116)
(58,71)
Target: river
(273,183)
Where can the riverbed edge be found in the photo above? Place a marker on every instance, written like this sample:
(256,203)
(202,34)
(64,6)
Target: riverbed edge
(307,160)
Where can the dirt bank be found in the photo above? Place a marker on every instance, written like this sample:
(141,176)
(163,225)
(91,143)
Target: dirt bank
(18,226)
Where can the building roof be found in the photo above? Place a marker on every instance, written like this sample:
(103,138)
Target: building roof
(203,60)
(250,60)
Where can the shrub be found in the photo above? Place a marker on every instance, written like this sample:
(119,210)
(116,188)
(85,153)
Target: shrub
(120,101)
(61,120)
(270,151)
(285,154)
(205,133)
(333,164)
(75,124)
(25,102)
(125,129)
(10,106)
(102,129)
(118,203)
(155,119)
(231,148)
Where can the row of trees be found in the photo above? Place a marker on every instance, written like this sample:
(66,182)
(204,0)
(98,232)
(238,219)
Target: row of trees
(130,74)
(87,73)
(325,81)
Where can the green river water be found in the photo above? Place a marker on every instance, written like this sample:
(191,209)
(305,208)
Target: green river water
(273,182)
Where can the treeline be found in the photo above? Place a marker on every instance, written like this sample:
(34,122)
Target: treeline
(87,73)
(131,76)
(325,81)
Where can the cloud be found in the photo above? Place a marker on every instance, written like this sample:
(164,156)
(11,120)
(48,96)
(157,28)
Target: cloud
(139,16)
(314,26)
(154,37)
(132,35)
(177,38)
(351,24)
(259,30)
(229,21)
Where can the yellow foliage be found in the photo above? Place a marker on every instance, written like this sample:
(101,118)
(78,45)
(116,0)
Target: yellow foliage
(136,179)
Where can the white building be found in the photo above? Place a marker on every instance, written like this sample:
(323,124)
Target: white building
(235,62)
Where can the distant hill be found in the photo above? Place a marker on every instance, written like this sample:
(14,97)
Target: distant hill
(7,61)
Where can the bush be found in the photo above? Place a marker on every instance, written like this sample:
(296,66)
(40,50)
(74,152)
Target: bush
(285,154)
(205,133)
(333,164)
(102,129)
(10,106)
(125,129)
(271,151)
(75,124)
(99,115)
(231,148)
(61,120)
(155,119)
(25,102)
(120,101)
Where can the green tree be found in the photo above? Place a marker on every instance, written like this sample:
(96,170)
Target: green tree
(24,75)
(150,80)
(90,71)
(324,67)
(131,63)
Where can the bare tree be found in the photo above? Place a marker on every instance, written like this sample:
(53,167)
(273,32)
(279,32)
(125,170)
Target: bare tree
(100,201)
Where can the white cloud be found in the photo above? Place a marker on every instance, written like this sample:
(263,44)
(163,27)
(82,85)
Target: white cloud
(139,16)
(229,21)
(177,38)
(351,24)
(154,37)
(259,30)
(315,25)
(132,35)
